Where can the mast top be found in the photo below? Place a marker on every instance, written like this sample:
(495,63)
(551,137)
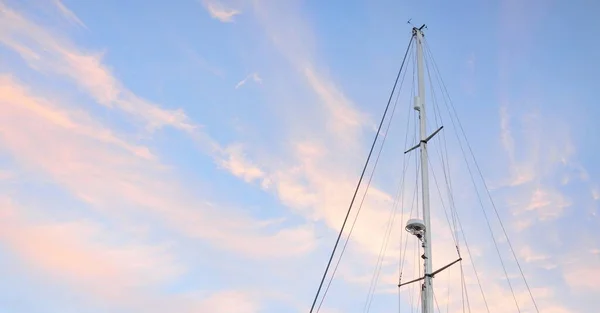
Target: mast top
(415,29)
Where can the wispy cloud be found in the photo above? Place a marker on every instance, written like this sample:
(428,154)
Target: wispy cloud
(230,302)
(48,52)
(74,253)
(580,269)
(17,102)
(254,77)
(520,174)
(541,160)
(343,117)
(218,11)
(529,255)
(68,14)
(293,37)
(105,271)
(549,204)
(125,178)
(238,165)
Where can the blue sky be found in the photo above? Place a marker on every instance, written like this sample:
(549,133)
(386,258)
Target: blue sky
(199,155)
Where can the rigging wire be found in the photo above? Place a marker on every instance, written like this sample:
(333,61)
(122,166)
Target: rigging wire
(414,203)
(495,243)
(393,213)
(444,207)
(416,272)
(443,152)
(363,198)
(464,292)
(489,196)
(446,169)
(448,298)
(411,292)
(356,190)
(455,216)
(441,201)
(414,198)
(474,269)
(415,250)
(405,163)
(459,222)
(405,166)
(437,305)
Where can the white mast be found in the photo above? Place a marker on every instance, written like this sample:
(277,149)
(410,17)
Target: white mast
(422,228)
(427,287)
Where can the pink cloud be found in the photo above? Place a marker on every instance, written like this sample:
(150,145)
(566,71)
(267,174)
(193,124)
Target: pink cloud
(236,163)
(48,52)
(294,39)
(547,203)
(68,14)
(218,11)
(90,161)
(76,253)
(18,104)
(112,174)
(345,120)
(582,272)
(125,276)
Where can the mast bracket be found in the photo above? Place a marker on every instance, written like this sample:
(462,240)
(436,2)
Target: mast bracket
(430,275)
(415,29)
(426,140)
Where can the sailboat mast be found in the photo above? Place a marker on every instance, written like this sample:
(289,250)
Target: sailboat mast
(427,287)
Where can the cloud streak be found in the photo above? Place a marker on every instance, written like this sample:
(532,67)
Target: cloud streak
(254,77)
(124,178)
(219,12)
(68,14)
(46,52)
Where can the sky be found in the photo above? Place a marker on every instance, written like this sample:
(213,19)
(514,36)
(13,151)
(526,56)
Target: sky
(199,155)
